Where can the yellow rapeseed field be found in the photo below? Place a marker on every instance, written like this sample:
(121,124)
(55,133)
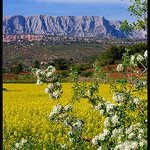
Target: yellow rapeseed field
(25,111)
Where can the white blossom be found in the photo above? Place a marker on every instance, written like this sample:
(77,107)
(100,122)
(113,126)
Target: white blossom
(95,140)
(136,127)
(127,145)
(141,131)
(114,119)
(67,107)
(59,107)
(142,143)
(38,71)
(101,137)
(119,147)
(50,86)
(34,71)
(63,146)
(69,133)
(77,126)
(96,108)
(131,135)
(106,132)
(101,111)
(145,53)
(56,94)
(107,122)
(99,105)
(58,84)
(18,145)
(144,83)
(39,82)
(132,61)
(46,90)
(136,100)
(71,140)
(67,119)
(49,74)
(23,141)
(56,110)
(118,97)
(65,124)
(50,71)
(139,58)
(110,107)
(134,145)
(100,148)
(114,133)
(89,92)
(51,115)
(120,67)
(132,57)
(128,131)
(139,136)
(62,115)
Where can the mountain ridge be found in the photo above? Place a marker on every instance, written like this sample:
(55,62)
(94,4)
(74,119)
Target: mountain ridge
(76,26)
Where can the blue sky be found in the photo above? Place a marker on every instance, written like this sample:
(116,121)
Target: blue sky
(110,9)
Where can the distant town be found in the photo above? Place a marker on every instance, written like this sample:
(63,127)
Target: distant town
(41,37)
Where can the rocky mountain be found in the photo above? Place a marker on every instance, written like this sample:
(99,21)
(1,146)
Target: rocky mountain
(76,26)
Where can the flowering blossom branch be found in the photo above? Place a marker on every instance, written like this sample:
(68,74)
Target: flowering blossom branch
(130,136)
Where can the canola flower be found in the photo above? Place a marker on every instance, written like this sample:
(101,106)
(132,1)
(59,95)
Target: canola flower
(25,111)
(26,108)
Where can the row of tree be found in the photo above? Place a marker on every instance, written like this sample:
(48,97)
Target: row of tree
(114,54)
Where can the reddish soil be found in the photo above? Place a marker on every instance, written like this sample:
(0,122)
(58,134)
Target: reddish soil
(112,74)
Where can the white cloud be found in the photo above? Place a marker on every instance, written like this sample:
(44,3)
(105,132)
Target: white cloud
(89,1)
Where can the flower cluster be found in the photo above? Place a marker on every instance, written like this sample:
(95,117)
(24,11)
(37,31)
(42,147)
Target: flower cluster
(63,146)
(68,107)
(19,145)
(146,53)
(136,133)
(140,58)
(118,133)
(60,113)
(118,97)
(101,137)
(120,68)
(106,107)
(54,90)
(77,126)
(135,100)
(50,71)
(140,84)
(111,121)
(43,74)
(56,110)
(133,61)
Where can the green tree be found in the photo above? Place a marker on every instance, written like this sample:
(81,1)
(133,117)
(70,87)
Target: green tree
(62,64)
(138,10)
(16,69)
(87,74)
(36,64)
(63,73)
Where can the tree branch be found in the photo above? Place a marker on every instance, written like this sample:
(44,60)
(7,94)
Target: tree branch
(80,136)
(136,79)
